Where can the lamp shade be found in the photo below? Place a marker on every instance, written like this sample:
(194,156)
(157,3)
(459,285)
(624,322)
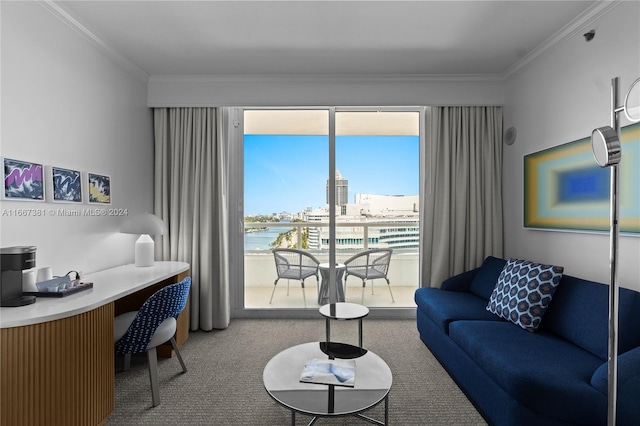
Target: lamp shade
(143,223)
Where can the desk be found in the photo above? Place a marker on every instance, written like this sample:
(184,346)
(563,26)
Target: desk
(57,363)
(323,295)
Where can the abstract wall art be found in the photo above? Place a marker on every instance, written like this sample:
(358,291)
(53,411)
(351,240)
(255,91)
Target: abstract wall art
(99,188)
(23,180)
(67,185)
(564,188)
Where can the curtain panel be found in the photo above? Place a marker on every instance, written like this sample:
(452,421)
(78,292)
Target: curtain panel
(462,215)
(190,195)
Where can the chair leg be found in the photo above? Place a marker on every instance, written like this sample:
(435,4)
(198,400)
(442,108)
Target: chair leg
(127,362)
(178,354)
(152,358)
(304,296)
(389,286)
(274,290)
(364,283)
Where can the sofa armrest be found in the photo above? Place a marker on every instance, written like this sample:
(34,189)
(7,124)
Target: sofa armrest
(460,282)
(628,385)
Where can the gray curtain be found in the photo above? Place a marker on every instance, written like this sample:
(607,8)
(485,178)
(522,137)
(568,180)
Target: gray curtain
(191,196)
(462,214)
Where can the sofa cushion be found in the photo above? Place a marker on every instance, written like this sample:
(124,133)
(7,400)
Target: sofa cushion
(523,292)
(485,279)
(539,370)
(443,306)
(579,313)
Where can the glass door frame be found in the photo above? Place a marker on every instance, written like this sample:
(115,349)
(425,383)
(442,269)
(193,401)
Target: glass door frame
(236,199)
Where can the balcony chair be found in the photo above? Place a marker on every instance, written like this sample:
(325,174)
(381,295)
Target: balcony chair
(369,265)
(294,264)
(154,324)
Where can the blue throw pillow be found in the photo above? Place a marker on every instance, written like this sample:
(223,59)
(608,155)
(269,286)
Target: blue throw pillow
(523,292)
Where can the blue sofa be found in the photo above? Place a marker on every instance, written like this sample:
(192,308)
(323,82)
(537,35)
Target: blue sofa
(556,375)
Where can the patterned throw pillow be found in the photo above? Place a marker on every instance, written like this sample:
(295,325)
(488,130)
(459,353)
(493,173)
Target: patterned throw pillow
(523,292)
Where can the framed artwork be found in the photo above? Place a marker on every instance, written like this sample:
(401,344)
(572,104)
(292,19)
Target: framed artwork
(565,189)
(23,180)
(99,188)
(66,185)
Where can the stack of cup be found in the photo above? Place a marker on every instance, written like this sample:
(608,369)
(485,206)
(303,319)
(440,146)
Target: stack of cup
(44,274)
(29,280)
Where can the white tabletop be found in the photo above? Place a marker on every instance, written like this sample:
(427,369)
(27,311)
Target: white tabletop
(108,285)
(328,265)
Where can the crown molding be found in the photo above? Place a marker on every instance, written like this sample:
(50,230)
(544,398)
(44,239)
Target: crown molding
(600,8)
(94,39)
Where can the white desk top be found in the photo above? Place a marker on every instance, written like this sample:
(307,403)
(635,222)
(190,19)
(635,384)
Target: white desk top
(108,285)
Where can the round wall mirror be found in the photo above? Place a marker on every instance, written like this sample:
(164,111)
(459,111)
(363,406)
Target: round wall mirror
(606,146)
(633,111)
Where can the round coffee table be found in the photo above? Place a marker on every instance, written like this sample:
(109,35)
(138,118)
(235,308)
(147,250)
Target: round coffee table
(372,384)
(344,311)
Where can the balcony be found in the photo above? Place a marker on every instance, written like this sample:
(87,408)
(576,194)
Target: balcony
(260,273)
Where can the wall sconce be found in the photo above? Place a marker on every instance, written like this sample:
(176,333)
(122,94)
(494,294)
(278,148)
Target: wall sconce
(144,224)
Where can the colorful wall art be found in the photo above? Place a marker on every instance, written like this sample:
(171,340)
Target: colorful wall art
(67,185)
(564,188)
(23,180)
(99,189)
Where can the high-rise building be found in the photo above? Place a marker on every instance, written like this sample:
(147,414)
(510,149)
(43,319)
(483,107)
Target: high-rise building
(342,190)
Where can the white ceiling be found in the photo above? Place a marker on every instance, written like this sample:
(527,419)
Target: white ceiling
(325,37)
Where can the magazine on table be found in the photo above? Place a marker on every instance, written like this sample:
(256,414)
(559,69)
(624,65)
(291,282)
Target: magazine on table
(339,372)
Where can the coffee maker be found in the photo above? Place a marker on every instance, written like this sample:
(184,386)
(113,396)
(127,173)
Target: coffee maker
(13,260)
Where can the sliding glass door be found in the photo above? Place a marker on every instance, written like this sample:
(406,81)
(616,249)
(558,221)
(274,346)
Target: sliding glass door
(333,183)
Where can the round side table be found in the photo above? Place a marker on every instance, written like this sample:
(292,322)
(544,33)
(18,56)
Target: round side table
(344,311)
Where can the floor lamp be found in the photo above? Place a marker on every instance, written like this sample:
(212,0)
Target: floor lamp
(607,152)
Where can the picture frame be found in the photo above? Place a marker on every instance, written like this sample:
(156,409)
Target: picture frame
(66,185)
(99,188)
(23,180)
(566,190)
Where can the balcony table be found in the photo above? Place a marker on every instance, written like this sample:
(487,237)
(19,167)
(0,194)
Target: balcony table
(323,295)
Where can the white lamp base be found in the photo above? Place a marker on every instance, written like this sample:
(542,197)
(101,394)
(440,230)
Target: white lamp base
(145,251)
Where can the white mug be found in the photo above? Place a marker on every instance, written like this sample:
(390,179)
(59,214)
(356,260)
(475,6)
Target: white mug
(29,280)
(44,274)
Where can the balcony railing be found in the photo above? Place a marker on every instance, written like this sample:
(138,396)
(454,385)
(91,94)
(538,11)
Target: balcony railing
(403,271)
(410,227)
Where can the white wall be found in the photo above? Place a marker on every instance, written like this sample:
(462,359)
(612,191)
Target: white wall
(65,103)
(561,98)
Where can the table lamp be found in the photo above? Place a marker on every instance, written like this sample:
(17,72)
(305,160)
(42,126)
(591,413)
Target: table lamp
(145,224)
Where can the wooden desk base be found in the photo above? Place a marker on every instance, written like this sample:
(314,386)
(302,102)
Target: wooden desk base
(58,372)
(62,372)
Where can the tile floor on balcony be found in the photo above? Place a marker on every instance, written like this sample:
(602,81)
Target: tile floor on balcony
(258,297)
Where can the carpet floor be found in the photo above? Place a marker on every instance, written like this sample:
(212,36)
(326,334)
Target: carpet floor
(224,383)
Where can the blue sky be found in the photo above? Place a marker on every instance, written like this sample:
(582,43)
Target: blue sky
(289,172)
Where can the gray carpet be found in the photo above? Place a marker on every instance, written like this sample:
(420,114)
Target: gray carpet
(224,383)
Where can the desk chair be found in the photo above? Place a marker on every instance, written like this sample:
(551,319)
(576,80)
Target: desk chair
(369,265)
(155,323)
(296,265)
